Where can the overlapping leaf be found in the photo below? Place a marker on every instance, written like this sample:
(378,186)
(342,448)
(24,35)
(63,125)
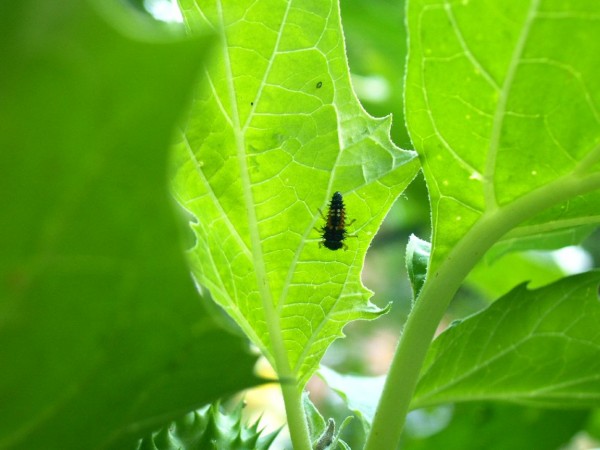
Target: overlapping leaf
(538,347)
(272,135)
(102,334)
(504,103)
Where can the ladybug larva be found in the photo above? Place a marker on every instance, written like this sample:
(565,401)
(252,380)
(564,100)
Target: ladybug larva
(334,231)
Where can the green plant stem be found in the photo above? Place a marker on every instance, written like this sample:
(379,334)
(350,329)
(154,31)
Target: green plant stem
(438,291)
(296,418)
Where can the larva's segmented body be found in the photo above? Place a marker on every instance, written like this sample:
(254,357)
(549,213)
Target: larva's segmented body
(334,231)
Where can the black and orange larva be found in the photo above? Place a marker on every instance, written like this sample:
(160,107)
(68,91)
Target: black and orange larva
(334,231)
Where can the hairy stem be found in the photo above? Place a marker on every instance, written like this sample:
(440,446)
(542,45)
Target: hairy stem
(292,397)
(437,292)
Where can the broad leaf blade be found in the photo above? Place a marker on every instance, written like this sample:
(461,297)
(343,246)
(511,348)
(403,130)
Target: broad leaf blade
(102,335)
(539,347)
(503,101)
(273,134)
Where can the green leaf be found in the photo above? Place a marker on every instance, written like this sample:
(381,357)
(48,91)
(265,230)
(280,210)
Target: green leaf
(536,238)
(102,334)
(417,259)
(493,426)
(360,393)
(494,279)
(316,421)
(322,434)
(539,347)
(274,132)
(337,442)
(504,111)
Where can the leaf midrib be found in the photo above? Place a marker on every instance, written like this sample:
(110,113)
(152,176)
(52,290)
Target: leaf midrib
(272,318)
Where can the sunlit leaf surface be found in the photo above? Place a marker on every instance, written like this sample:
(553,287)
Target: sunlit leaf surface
(504,99)
(273,133)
